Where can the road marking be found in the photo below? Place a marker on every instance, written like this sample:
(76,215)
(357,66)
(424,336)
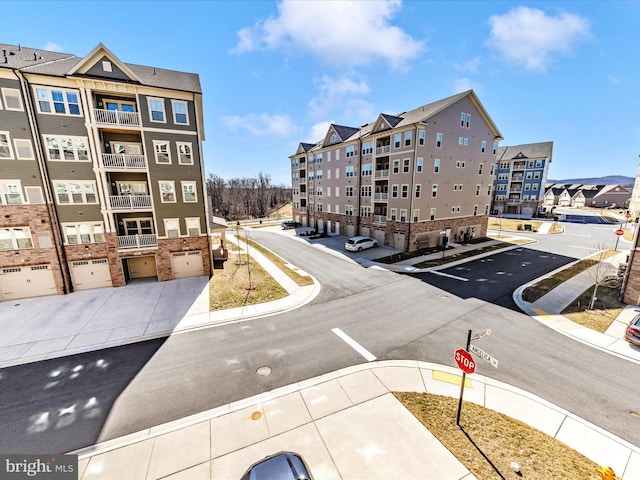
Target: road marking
(436,272)
(539,311)
(578,246)
(353,344)
(451,378)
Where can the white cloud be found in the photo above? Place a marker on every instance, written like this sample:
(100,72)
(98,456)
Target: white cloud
(470,66)
(335,93)
(53,47)
(339,32)
(463,84)
(319,130)
(262,124)
(529,37)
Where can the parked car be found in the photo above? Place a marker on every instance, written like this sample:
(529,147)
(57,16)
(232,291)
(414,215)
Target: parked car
(632,335)
(286,225)
(281,466)
(357,244)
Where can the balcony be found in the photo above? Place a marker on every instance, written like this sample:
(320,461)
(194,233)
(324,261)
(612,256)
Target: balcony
(123,161)
(515,190)
(127,242)
(382,174)
(116,117)
(381,219)
(381,197)
(129,202)
(380,151)
(517,178)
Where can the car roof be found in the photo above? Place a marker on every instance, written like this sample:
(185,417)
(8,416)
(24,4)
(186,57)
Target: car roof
(359,237)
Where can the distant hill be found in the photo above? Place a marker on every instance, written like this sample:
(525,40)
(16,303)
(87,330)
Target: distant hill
(608,180)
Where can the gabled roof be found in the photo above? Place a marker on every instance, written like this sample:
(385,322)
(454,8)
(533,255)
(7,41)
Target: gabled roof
(342,132)
(529,151)
(304,147)
(44,62)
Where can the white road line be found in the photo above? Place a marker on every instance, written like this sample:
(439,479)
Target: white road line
(436,272)
(353,344)
(586,248)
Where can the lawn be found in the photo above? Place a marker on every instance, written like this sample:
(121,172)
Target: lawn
(606,308)
(489,441)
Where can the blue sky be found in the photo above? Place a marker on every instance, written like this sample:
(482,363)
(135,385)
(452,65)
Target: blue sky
(275,74)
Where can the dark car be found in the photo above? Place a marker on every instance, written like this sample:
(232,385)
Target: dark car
(286,225)
(632,335)
(281,466)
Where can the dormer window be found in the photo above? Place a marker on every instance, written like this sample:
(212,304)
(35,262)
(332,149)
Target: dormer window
(106,66)
(333,138)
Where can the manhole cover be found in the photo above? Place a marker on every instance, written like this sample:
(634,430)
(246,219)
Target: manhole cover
(263,371)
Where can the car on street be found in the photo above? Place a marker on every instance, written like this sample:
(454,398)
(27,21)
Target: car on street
(281,466)
(632,335)
(357,244)
(288,224)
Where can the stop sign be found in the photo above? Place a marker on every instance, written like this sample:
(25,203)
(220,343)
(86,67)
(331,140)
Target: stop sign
(465,361)
(619,232)
(628,215)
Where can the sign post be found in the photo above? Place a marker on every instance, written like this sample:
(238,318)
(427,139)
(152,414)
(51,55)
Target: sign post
(464,377)
(619,233)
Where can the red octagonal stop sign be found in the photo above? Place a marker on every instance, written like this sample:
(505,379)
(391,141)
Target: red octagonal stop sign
(465,361)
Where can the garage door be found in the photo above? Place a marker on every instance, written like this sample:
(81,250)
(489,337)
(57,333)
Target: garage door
(364,231)
(527,211)
(187,264)
(320,225)
(23,282)
(86,274)
(142,267)
(351,230)
(379,236)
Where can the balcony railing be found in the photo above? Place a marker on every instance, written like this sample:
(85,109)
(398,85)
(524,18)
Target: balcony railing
(129,202)
(515,190)
(137,241)
(381,197)
(123,161)
(380,219)
(115,117)
(383,150)
(382,174)
(517,178)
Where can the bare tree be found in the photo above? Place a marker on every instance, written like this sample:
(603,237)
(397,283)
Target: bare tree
(600,272)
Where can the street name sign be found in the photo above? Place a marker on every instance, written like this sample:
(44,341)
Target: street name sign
(465,361)
(480,334)
(484,356)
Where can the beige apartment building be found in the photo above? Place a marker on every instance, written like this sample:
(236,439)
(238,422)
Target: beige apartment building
(415,179)
(101,173)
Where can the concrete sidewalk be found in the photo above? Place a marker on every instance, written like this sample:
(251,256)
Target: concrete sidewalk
(346,425)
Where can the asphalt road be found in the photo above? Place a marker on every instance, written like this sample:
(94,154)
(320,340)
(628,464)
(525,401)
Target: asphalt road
(126,389)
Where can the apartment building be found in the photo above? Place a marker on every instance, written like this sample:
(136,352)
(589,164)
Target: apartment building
(101,173)
(410,180)
(521,175)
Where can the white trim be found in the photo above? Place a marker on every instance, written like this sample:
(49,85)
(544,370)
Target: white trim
(14,240)
(157,143)
(195,191)
(190,145)
(164,113)
(8,140)
(83,184)
(4,191)
(26,141)
(52,104)
(193,219)
(92,232)
(60,140)
(173,190)
(17,94)
(175,114)
(166,230)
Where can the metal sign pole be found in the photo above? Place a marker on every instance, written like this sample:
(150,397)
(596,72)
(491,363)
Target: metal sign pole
(464,377)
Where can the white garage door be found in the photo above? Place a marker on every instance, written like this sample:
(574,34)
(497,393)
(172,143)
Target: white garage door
(351,230)
(86,274)
(379,236)
(364,231)
(527,211)
(23,282)
(187,264)
(320,225)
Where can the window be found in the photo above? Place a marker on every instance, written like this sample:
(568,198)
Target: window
(348,210)
(480,167)
(420,137)
(67,148)
(193,226)
(475,210)
(318,157)
(172,227)
(462,118)
(527,187)
(416,215)
(405,191)
(348,191)
(403,215)
(365,191)
(536,175)
(161,150)
(436,165)
(492,170)
(82,233)
(319,174)
(396,166)
(62,102)
(484,146)
(434,191)
(11,192)
(24,150)
(349,171)
(15,238)
(418,187)
(189,194)
(366,170)
(419,162)
(333,138)
(367,148)
(495,148)
(488,189)
(180,115)
(439,140)
(477,190)
(312,175)
(185,154)
(319,191)
(539,163)
(396,140)
(405,165)
(486,209)
(466,141)
(468,120)
(432,214)
(535,186)
(5,146)
(337,173)
(460,140)
(156,110)
(350,151)
(12,99)
(75,192)
(394,191)
(365,211)
(407,139)
(394,214)
(167,191)
(311,159)
(530,163)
